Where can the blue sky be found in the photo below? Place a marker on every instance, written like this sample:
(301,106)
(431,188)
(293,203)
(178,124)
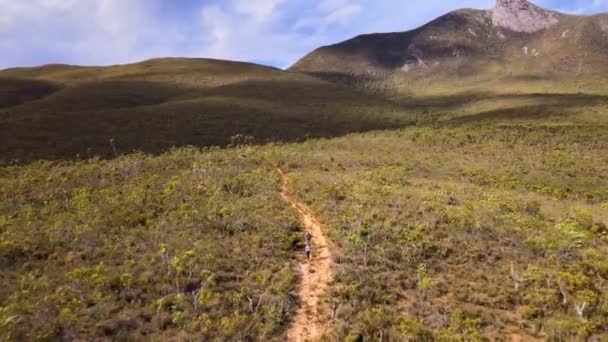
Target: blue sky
(274,32)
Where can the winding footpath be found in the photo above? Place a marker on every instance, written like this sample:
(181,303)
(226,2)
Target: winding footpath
(309,323)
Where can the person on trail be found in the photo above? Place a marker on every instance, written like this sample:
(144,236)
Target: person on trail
(308,248)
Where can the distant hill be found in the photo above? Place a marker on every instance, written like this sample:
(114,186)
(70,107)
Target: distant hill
(514,39)
(62,111)
(510,57)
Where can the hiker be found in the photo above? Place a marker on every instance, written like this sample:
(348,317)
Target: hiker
(308,247)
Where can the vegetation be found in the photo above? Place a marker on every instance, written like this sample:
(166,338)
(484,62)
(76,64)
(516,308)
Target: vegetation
(468,229)
(476,208)
(462,227)
(68,112)
(194,243)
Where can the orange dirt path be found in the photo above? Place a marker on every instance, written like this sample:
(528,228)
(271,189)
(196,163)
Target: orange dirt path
(309,323)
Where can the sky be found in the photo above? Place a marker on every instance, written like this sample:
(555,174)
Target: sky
(272,32)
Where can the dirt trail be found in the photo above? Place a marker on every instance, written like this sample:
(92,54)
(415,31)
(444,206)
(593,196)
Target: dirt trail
(309,323)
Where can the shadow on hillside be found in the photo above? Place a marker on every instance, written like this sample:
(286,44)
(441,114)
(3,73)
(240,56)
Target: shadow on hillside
(267,111)
(510,114)
(453,102)
(14,92)
(346,79)
(303,91)
(104,95)
(393,50)
(556,105)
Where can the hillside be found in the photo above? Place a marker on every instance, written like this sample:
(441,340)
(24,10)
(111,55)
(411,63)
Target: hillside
(516,39)
(489,225)
(491,228)
(146,247)
(455,178)
(60,111)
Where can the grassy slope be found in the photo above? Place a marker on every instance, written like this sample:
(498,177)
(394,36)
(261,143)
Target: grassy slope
(154,105)
(485,228)
(428,221)
(499,170)
(154,247)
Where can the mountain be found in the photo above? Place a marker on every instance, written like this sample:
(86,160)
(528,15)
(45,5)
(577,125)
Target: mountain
(62,111)
(517,48)
(514,39)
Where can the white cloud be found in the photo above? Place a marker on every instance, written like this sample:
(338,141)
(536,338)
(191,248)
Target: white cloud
(259,10)
(241,31)
(14,12)
(119,31)
(578,6)
(273,31)
(83,31)
(329,12)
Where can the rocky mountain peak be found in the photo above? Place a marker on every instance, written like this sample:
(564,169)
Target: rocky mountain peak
(522,16)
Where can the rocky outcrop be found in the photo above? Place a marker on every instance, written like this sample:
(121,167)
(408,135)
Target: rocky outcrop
(604,24)
(522,16)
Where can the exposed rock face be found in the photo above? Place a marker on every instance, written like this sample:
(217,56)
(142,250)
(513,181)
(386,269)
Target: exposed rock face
(604,25)
(522,16)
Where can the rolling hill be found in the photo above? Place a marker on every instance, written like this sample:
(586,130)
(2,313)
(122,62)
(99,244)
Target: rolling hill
(510,56)
(61,111)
